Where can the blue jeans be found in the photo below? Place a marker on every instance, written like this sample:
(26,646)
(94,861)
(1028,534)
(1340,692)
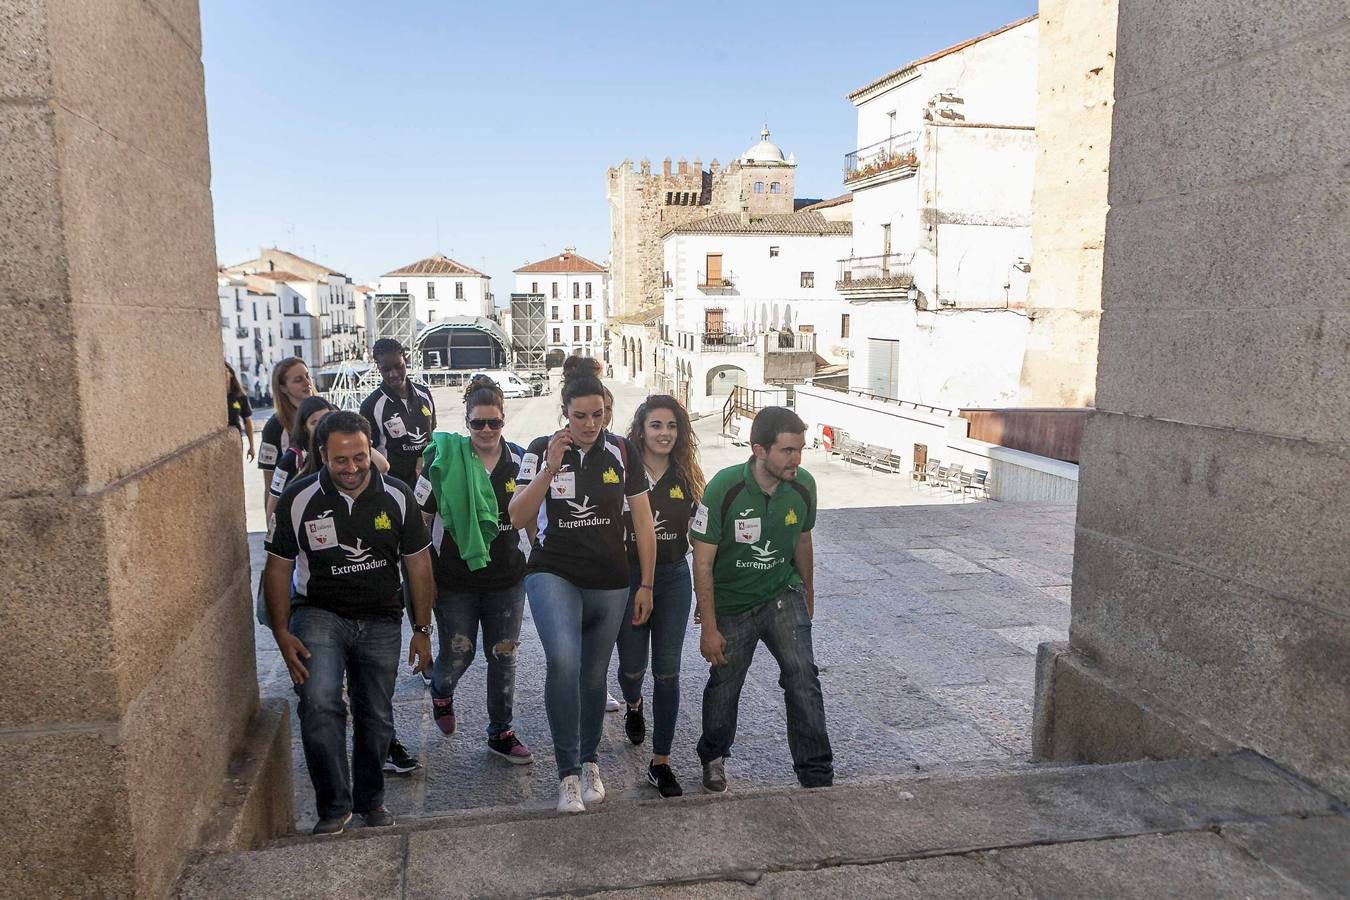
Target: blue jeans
(367,652)
(785,628)
(672,597)
(577,628)
(458,617)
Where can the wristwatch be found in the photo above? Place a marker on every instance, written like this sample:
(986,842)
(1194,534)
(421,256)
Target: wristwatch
(422,629)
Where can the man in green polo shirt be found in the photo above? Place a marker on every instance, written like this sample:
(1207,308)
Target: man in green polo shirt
(753,563)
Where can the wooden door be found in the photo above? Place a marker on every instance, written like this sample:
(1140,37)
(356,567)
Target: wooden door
(714,268)
(712,321)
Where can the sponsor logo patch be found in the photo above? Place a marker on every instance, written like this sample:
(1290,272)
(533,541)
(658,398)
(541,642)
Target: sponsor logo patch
(382,522)
(267,454)
(676,493)
(610,476)
(790,518)
(700,520)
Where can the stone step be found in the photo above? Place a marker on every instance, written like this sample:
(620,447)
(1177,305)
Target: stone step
(718,845)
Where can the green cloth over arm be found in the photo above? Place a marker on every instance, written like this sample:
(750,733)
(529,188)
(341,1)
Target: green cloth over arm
(464,496)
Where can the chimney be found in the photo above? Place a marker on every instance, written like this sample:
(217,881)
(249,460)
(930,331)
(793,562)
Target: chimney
(665,167)
(684,167)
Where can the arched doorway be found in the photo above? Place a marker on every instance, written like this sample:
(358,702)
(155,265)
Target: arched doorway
(721,380)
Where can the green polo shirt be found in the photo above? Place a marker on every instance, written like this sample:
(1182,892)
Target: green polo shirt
(755,533)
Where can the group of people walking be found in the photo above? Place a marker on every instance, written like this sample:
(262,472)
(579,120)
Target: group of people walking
(375,515)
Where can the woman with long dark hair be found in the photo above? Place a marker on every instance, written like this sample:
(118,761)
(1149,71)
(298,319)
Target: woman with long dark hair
(297,460)
(238,411)
(665,440)
(573,485)
(465,489)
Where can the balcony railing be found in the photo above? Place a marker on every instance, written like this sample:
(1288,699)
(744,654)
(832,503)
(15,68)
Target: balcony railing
(720,285)
(885,270)
(789,342)
(725,341)
(896,152)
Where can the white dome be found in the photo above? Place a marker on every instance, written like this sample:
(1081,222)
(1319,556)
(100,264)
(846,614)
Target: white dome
(766,151)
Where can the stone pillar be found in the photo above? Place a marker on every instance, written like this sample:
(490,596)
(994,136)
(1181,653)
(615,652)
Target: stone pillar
(1075,73)
(1211,600)
(126,648)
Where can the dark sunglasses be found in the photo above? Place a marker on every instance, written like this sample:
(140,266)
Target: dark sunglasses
(480,424)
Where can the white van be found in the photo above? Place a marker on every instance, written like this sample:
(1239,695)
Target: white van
(512,385)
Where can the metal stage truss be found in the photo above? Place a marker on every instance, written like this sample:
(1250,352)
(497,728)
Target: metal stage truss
(395,318)
(528,331)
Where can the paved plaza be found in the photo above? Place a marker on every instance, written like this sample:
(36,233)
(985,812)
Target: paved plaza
(928,614)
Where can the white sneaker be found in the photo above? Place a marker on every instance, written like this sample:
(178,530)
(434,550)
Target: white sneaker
(612,705)
(569,795)
(592,788)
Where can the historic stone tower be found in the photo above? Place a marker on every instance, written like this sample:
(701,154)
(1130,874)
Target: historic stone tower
(643,206)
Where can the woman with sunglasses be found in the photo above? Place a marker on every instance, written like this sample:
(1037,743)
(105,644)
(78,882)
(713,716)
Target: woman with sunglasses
(479,579)
(573,485)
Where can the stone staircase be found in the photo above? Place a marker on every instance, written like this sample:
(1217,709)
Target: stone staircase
(1235,825)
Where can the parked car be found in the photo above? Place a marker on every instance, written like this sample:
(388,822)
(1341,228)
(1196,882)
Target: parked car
(539,381)
(512,385)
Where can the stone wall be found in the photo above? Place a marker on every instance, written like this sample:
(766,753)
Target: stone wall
(1210,581)
(1076,77)
(126,647)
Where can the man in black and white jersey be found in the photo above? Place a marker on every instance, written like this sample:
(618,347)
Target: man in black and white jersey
(400,411)
(334,597)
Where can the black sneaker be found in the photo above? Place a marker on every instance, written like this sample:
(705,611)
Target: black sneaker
(399,760)
(634,723)
(332,825)
(660,777)
(379,817)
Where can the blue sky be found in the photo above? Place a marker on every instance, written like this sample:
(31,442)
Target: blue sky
(347,130)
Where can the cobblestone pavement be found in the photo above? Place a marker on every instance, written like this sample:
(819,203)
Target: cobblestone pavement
(928,614)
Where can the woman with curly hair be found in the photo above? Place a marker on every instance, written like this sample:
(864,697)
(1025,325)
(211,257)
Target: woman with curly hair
(665,440)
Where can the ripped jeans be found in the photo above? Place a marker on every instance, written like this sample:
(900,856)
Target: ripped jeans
(458,617)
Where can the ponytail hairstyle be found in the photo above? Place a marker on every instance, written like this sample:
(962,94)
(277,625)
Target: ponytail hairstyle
(483,391)
(684,455)
(301,439)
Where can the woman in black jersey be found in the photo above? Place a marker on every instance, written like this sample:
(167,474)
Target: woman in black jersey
(290,385)
(238,411)
(573,485)
(296,460)
(668,449)
(479,577)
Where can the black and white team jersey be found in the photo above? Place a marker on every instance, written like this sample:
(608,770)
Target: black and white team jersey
(506,566)
(291,462)
(274,442)
(401,428)
(581,529)
(237,409)
(672,507)
(347,551)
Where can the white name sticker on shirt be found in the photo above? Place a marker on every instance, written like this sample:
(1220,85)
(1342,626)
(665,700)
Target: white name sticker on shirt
(279,478)
(394,425)
(747,531)
(422,491)
(267,455)
(564,486)
(529,467)
(700,521)
(322,533)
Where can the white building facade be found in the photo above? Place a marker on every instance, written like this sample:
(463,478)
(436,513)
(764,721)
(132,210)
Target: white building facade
(250,332)
(941,246)
(317,305)
(440,288)
(575,292)
(749,301)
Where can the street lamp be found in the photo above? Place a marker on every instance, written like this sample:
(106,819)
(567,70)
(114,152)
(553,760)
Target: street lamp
(912,293)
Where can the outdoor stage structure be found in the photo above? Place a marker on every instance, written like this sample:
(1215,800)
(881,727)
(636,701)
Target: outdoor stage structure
(528,331)
(441,354)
